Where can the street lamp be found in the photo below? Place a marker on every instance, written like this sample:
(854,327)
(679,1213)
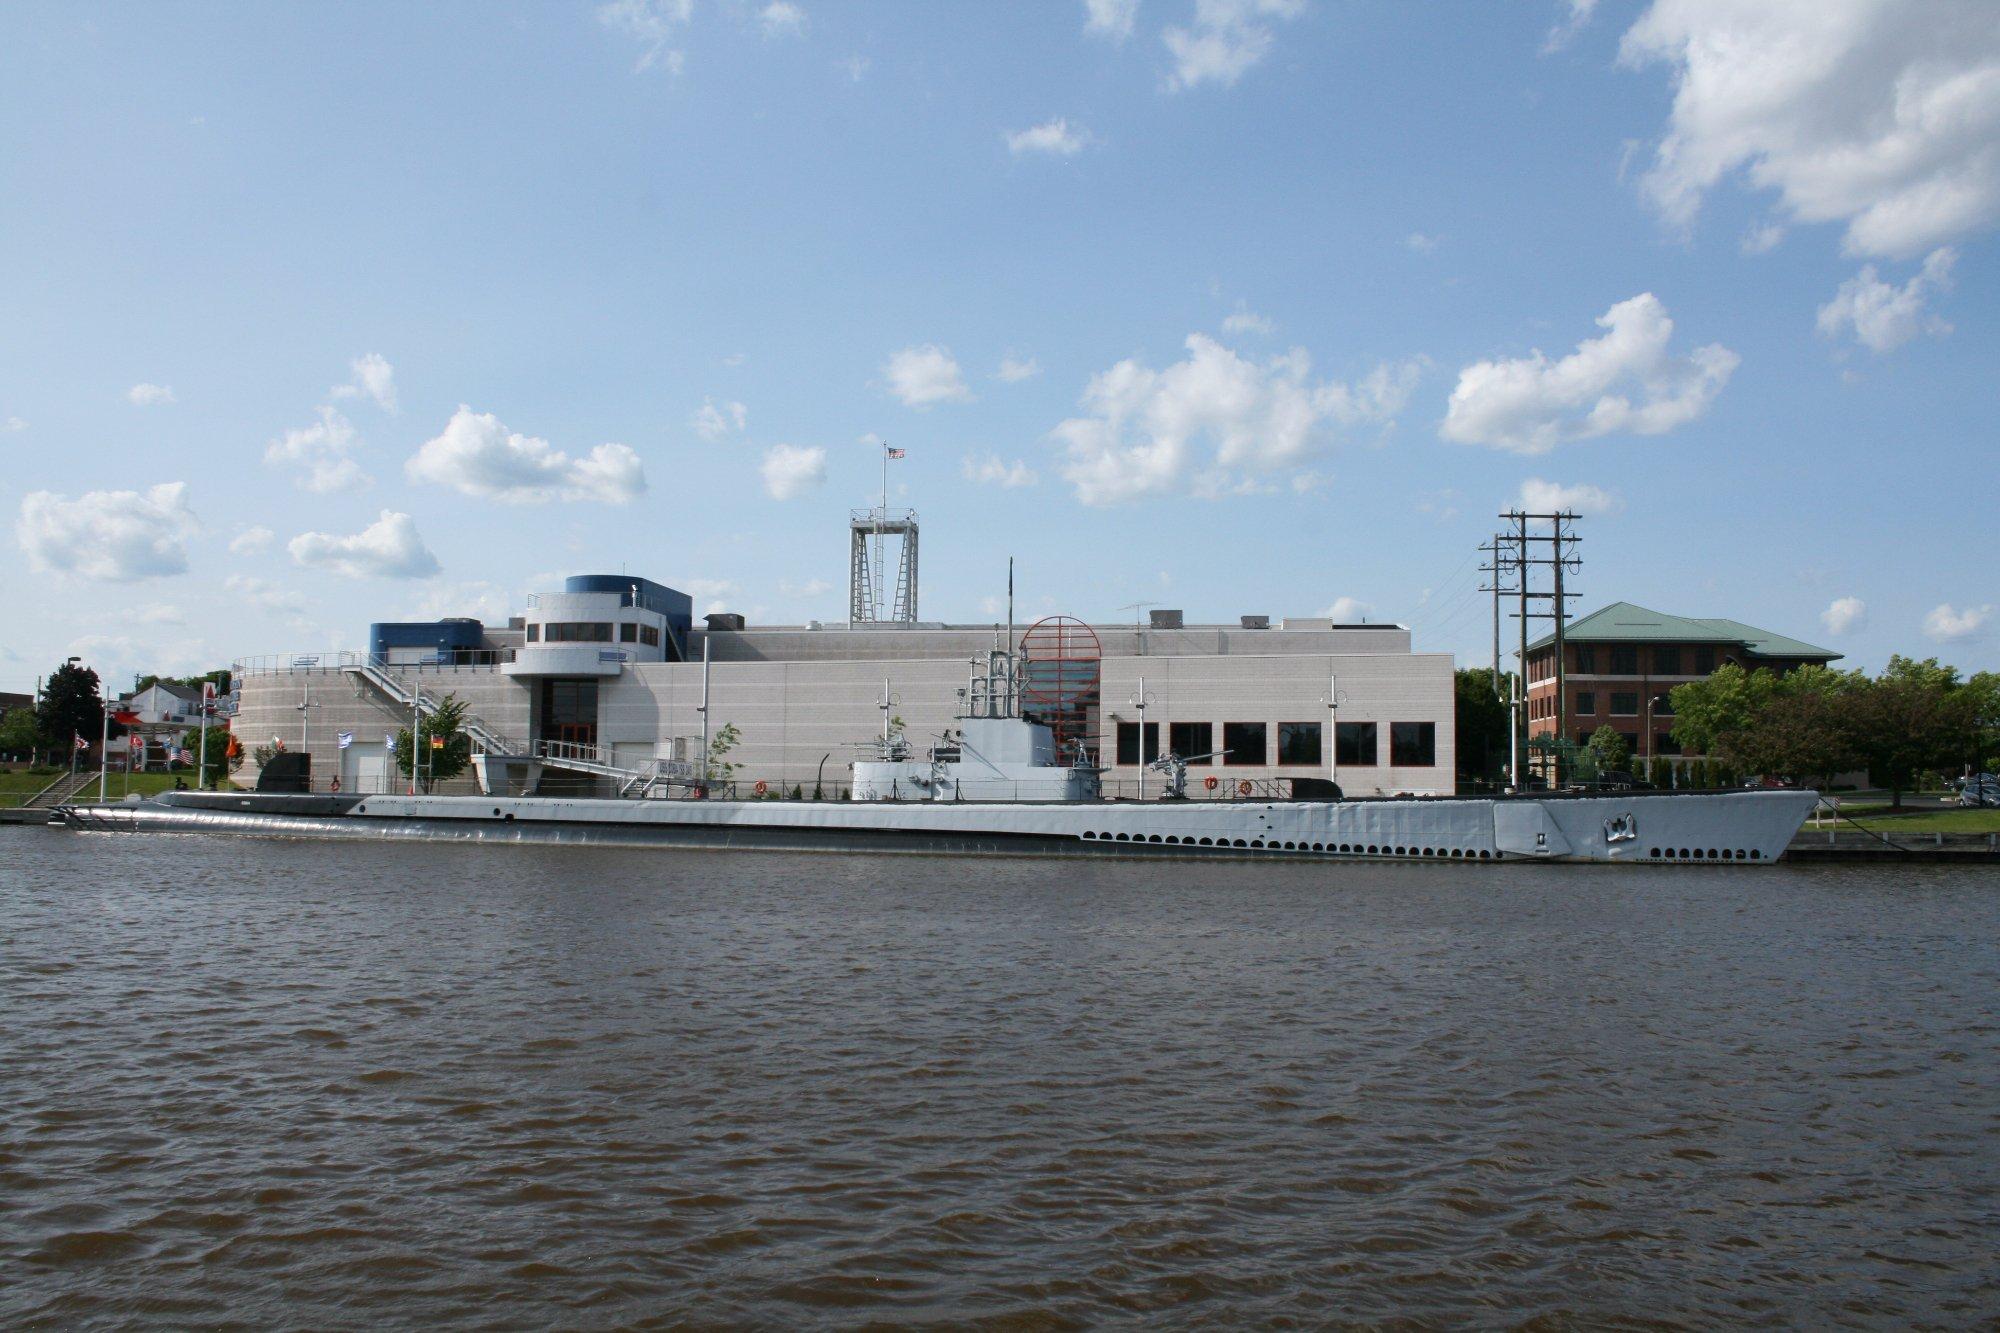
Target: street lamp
(1140,701)
(1335,697)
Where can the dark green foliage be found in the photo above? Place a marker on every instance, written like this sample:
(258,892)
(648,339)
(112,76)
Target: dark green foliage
(1481,720)
(435,764)
(1607,747)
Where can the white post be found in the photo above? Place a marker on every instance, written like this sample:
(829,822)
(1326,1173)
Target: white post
(104,760)
(884,706)
(416,724)
(1513,732)
(703,710)
(1140,704)
(1333,727)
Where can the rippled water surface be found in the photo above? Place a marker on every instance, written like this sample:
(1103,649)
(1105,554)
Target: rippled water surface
(351,1085)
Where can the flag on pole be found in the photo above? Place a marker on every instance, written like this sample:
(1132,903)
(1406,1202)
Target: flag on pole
(895,453)
(437,742)
(346,739)
(138,742)
(81,743)
(389,739)
(185,755)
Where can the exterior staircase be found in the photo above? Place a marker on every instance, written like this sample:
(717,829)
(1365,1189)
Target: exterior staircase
(591,759)
(377,673)
(61,791)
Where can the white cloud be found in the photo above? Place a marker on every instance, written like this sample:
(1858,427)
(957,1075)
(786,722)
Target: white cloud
(1141,427)
(1547,497)
(1111,19)
(1882,317)
(652,24)
(1531,404)
(1763,238)
(373,378)
(150,395)
(12,425)
(856,67)
(477,455)
(265,595)
(478,598)
(1226,38)
(1844,614)
(992,470)
(1421,243)
(1883,115)
(1945,623)
(804,588)
(790,471)
(252,541)
(1572,23)
(712,421)
(319,454)
(158,613)
(1014,369)
(389,548)
(1347,610)
(1051,136)
(699,588)
(112,536)
(921,376)
(1246,320)
(782,18)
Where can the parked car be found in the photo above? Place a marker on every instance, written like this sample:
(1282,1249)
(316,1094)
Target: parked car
(1981,789)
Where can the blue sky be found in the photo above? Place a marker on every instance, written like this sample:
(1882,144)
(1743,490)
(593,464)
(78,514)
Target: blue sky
(317,315)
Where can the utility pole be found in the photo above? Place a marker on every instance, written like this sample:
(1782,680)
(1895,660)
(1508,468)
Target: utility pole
(1515,553)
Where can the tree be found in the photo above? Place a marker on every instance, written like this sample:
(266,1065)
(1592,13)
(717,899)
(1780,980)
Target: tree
(20,736)
(71,706)
(1910,721)
(1607,747)
(1481,720)
(720,770)
(441,750)
(1660,772)
(220,762)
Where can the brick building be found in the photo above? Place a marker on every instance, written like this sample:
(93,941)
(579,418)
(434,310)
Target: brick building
(1623,660)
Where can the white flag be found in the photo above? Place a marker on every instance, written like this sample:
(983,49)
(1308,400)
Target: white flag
(389,739)
(346,739)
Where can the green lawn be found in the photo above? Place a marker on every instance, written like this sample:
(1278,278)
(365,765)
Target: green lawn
(18,785)
(1933,820)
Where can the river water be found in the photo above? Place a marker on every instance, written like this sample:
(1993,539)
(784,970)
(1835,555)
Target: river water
(318,1084)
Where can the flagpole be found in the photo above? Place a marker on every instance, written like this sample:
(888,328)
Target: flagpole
(104,762)
(207,698)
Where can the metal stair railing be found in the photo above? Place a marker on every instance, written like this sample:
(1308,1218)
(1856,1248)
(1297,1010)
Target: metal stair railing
(60,791)
(633,782)
(376,672)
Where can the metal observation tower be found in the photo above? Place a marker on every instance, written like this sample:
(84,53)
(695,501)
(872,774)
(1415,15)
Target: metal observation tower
(870,533)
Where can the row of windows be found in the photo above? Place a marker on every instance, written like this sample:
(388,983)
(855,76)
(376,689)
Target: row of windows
(1623,660)
(1300,744)
(594,631)
(1624,703)
(1663,742)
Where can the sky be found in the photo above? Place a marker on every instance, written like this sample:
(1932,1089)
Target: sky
(313,316)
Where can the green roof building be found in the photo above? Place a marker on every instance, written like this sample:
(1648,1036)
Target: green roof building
(1620,662)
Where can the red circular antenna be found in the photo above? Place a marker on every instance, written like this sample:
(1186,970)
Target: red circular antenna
(1061,667)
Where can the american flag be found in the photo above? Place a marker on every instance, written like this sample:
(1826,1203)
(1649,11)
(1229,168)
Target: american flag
(895,453)
(185,755)
(81,743)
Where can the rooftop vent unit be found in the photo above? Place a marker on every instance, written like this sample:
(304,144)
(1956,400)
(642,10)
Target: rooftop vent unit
(1166,619)
(1308,622)
(1256,622)
(724,620)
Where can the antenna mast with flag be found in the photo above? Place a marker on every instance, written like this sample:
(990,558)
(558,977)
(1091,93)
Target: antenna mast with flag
(868,534)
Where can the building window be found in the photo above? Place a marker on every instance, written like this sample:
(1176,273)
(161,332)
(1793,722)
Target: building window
(1704,661)
(1664,743)
(649,635)
(1354,744)
(1192,741)
(1631,739)
(1663,705)
(1586,658)
(1413,744)
(1128,744)
(569,711)
(1666,661)
(1246,744)
(1298,744)
(1586,703)
(627,632)
(578,632)
(534,634)
(1624,661)
(1624,703)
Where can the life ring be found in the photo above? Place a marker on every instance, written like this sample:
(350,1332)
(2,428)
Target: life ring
(761,788)
(336,783)
(1243,787)
(1209,782)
